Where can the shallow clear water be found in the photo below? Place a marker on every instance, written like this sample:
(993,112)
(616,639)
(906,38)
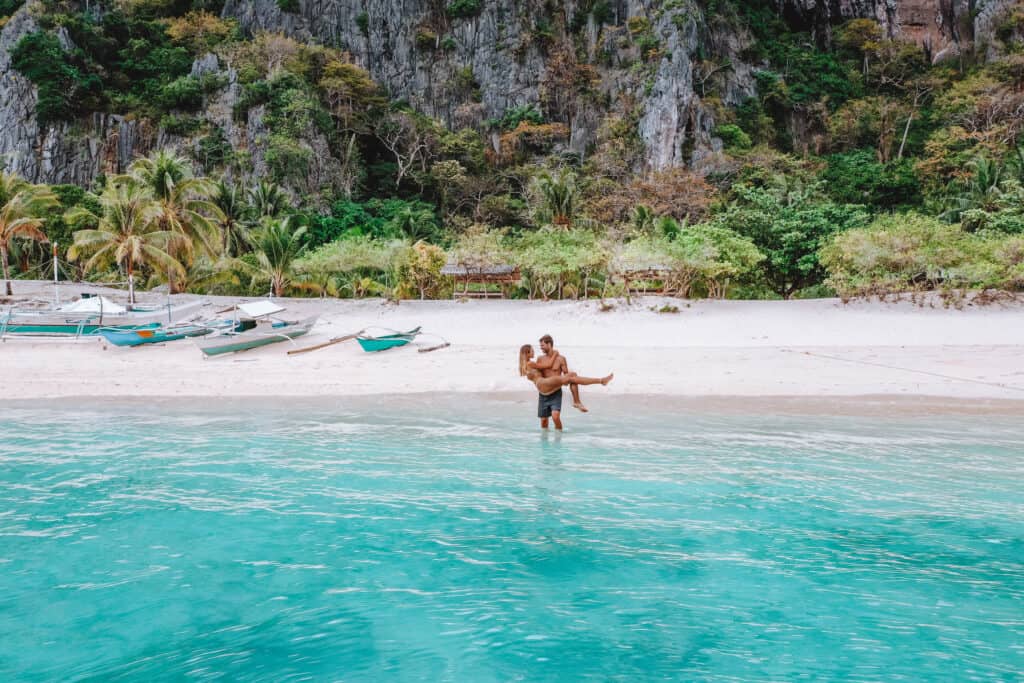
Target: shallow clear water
(452,542)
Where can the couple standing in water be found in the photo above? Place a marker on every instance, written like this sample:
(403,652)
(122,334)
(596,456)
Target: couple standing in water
(550,373)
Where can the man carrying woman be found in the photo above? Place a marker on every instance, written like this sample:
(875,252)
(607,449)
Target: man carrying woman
(550,373)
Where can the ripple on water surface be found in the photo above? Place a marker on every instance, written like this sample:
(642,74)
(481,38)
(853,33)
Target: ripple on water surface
(452,542)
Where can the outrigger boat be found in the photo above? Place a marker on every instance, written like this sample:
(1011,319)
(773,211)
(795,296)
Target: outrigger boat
(384,342)
(119,336)
(256,328)
(88,315)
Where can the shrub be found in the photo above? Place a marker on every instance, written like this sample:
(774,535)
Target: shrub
(200,31)
(902,252)
(419,272)
(9,7)
(363,23)
(554,259)
(180,125)
(425,39)
(182,93)
(511,119)
(214,149)
(859,178)
(66,89)
(291,6)
(355,266)
(733,137)
(287,157)
(464,9)
(702,257)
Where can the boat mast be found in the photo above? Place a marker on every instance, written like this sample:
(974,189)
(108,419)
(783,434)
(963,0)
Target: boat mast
(56,290)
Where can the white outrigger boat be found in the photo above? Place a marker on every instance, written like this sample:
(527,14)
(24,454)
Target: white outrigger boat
(254,328)
(91,313)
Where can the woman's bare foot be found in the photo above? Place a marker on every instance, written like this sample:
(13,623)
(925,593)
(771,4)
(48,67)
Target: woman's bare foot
(609,378)
(580,407)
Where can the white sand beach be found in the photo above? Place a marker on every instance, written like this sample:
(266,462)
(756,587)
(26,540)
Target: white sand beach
(819,348)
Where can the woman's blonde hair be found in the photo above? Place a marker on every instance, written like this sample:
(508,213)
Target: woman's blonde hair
(525,354)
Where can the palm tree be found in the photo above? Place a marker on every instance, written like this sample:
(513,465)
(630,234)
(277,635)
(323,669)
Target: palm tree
(277,245)
(233,224)
(268,200)
(980,191)
(129,232)
(185,204)
(22,206)
(558,193)
(416,224)
(643,218)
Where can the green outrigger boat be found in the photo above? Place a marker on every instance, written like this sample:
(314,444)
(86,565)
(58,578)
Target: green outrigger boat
(386,341)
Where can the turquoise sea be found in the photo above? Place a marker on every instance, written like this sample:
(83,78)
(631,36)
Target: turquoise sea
(446,539)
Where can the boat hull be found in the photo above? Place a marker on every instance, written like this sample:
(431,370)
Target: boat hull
(373,345)
(156,335)
(68,328)
(384,342)
(58,323)
(252,339)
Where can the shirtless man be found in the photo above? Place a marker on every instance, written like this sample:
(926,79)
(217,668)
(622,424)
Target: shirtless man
(550,388)
(553,364)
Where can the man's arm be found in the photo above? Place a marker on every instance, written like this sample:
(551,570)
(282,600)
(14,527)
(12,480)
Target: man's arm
(545,362)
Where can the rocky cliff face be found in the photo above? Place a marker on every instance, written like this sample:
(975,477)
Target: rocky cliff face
(74,152)
(510,59)
(946,28)
(509,53)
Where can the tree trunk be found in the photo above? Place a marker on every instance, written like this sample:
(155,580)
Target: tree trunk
(7,275)
(131,283)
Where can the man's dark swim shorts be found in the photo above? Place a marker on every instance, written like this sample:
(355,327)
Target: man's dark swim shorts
(546,404)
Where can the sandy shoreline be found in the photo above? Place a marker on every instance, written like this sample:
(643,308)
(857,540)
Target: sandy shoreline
(723,349)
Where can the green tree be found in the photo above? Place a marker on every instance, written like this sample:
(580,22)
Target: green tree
(788,225)
(268,200)
(982,190)
(23,208)
(234,225)
(559,263)
(276,247)
(416,224)
(556,194)
(127,232)
(186,207)
(420,270)
(701,257)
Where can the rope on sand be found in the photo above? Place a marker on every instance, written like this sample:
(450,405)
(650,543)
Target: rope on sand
(998,385)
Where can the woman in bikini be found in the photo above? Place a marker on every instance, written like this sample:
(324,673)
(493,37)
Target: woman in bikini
(550,401)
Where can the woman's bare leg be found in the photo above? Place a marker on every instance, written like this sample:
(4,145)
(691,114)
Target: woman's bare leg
(576,379)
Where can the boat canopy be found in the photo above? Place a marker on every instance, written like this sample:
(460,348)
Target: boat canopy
(258,309)
(93,304)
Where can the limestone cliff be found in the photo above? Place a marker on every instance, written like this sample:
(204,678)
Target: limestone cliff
(510,52)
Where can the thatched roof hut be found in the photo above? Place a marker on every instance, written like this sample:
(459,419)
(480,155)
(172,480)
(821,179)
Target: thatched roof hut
(483,275)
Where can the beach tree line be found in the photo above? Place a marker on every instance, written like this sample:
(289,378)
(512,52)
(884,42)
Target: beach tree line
(159,224)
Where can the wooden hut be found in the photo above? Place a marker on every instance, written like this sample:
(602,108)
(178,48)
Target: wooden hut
(486,281)
(647,278)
